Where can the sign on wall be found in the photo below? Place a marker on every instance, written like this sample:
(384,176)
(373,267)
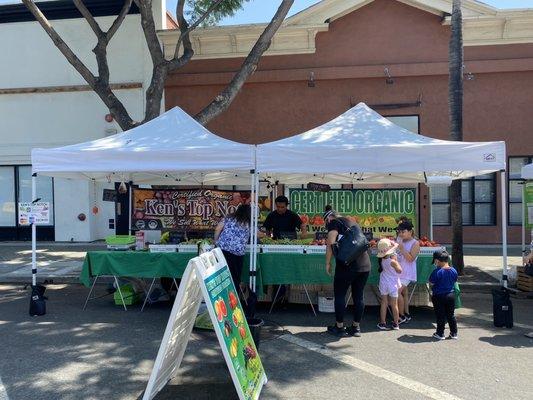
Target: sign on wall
(194,209)
(29,213)
(375,210)
(208,277)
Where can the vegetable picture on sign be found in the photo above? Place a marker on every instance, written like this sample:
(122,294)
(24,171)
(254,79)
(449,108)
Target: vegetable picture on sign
(375,210)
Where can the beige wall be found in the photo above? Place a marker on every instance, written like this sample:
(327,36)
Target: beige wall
(348,67)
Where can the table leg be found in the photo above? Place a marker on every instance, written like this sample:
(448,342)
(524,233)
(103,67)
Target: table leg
(148,294)
(309,298)
(174,283)
(274,300)
(412,293)
(90,291)
(120,293)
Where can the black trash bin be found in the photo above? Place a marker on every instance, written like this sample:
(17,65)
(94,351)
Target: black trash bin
(502,308)
(255,325)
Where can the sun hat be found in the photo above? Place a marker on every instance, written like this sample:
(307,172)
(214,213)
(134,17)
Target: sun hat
(386,247)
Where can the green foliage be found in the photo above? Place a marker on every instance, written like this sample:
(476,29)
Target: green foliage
(196,8)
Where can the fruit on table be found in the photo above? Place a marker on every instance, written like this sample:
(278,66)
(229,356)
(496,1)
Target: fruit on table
(233,301)
(425,242)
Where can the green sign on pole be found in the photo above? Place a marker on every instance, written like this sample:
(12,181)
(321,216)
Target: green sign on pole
(375,210)
(528,204)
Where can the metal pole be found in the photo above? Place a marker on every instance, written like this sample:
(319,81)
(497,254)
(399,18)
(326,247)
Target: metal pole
(504,227)
(430,214)
(256,227)
(33,233)
(129,209)
(252,233)
(523,220)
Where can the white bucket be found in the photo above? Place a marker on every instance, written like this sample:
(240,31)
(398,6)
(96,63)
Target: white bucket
(326,304)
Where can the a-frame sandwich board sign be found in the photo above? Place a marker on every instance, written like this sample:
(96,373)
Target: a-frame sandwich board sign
(208,277)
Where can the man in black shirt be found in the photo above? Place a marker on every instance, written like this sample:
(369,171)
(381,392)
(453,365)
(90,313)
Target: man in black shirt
(282,223)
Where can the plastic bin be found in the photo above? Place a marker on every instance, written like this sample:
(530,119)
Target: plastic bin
(120,240)
(129,294)
(326,303)
(255,325)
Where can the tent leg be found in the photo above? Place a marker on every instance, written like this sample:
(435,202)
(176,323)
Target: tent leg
(252,233)
(255,228)
(129,208)
(430,214)
(523,223)
(33,233)
(504,226)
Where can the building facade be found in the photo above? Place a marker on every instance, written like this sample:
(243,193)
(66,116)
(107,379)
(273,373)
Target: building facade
(392,55)
(44,102)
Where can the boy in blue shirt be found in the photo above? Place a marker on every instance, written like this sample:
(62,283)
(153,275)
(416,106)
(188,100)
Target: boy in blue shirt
(443,280)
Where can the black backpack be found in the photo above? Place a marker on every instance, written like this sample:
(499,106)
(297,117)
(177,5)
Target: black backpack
(351,244)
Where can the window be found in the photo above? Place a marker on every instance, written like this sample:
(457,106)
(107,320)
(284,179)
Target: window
(479,202)
(409,122)
(15,182)
(7,197)
(516,188)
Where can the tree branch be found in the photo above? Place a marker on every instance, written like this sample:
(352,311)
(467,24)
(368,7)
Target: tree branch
(100,84)
(224,99)
(118,21)
(185,32)
(60,44)
(150,34)
(90,19)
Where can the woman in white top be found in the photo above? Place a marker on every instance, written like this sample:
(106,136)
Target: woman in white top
(408,250)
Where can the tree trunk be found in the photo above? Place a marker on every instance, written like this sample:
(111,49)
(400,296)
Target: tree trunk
(456,129)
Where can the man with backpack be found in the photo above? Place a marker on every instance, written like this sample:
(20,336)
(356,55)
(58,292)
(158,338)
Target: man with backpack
(347,243)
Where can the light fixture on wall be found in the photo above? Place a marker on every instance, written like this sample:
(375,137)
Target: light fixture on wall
(389,80)
(469,76)
(311,79)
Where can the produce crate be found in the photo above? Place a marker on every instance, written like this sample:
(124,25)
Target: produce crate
(430,250)
(281,248)
(524,281)
(129,294)
(120,240)
(163,248)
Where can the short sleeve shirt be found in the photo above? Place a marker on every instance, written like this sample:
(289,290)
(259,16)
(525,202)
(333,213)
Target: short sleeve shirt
(287,222)
(234,237)
(362,264)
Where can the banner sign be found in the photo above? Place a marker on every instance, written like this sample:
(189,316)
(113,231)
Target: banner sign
(187,210)
(375,210)
(38,213)
(528,204)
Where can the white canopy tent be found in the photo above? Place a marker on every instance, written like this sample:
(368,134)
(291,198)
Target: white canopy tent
(172,149)
(362,147)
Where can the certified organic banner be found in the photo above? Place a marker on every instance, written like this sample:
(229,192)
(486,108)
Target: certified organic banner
(194,209)
(375,210)
(238,341)
(528,204)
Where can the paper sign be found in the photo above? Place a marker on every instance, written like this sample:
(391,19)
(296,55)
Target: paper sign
(528,204)
(38,213)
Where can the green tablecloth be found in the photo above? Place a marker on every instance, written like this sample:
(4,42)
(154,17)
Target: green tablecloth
(272,268)
(139,264)
(284,268)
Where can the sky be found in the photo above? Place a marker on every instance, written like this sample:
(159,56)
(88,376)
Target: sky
(256,11)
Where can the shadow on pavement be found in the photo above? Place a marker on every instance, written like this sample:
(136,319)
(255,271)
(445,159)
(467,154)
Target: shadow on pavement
(414,339)
(516,340)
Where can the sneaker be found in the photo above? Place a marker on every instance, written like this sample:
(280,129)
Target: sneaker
(336,331)
(407,317)
(402,319)
(453,336)
(395,326)
(383,326)
(439,337)
(354,331)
